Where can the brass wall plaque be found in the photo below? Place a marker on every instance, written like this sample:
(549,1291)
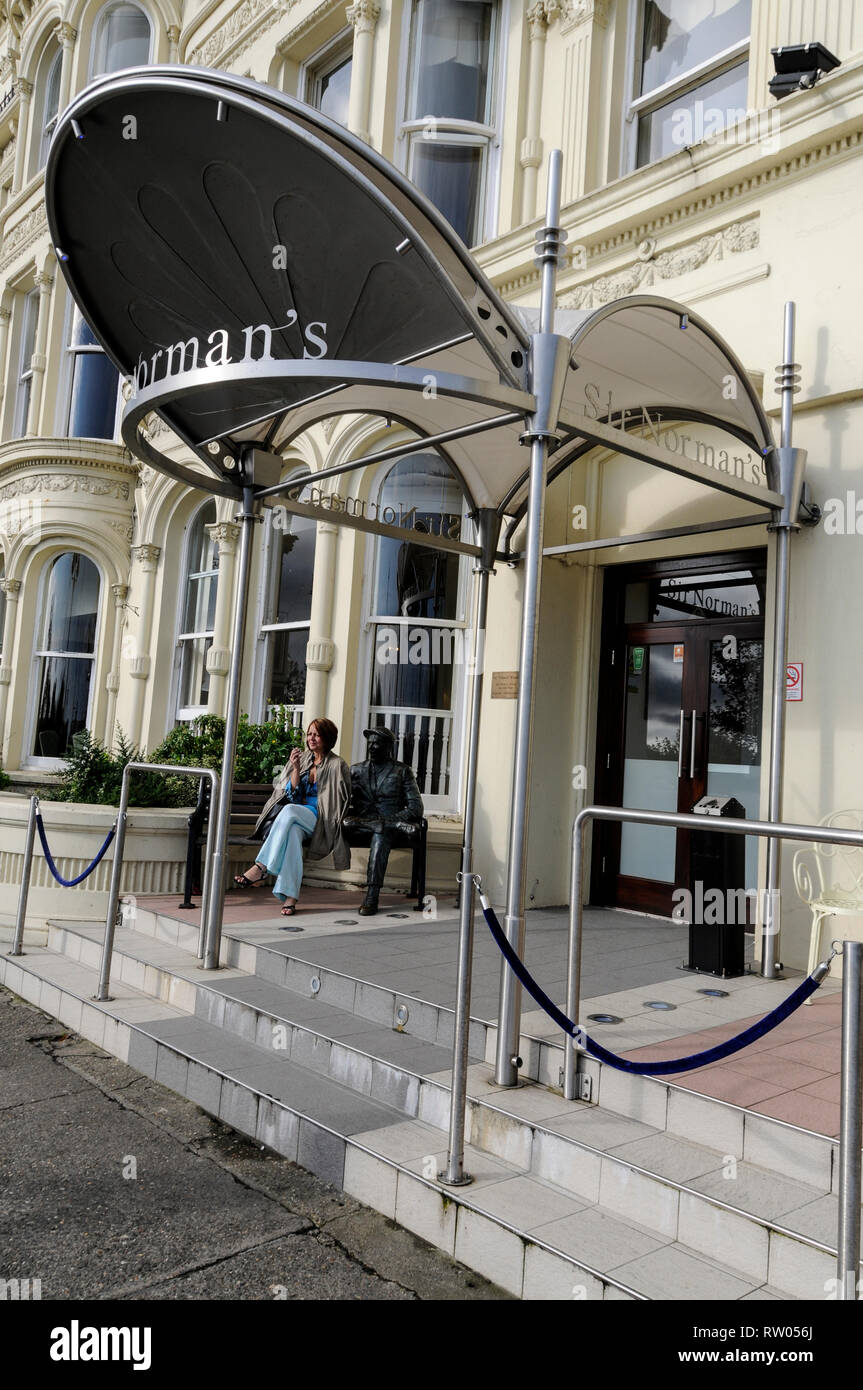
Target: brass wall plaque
(504,685)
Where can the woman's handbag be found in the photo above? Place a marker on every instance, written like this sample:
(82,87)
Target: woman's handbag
(266,825)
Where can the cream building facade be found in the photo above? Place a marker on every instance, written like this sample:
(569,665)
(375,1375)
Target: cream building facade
(118,582)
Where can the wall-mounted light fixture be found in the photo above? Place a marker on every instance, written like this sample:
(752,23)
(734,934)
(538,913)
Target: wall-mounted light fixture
(799,66)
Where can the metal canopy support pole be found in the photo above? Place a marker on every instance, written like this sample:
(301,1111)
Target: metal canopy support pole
(549,362)
(792,463)
(489,528)
(850,1121)
(215,871)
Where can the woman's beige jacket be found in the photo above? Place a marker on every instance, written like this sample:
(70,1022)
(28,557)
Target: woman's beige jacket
(334,793)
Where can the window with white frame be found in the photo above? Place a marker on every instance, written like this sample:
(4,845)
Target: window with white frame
(122,38)
(418,621)
(94,381)
(65,653)
(327,84)
(691,73)
(451,116)
(29,310)
(198,614)
(50,102)
(289,564)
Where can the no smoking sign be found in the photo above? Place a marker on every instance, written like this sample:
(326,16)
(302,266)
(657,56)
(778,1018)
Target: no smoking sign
(794,680)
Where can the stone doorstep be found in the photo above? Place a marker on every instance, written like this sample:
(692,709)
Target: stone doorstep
(625,1187)
(529,1268)
(663,1104)
(527,1264)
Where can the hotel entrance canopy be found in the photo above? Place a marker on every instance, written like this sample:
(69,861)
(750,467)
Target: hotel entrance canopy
(252,268)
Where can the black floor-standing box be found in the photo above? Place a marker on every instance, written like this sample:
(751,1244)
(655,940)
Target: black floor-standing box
(717,861)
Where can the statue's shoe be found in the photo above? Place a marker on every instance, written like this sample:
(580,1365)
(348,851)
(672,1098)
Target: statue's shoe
(369,907)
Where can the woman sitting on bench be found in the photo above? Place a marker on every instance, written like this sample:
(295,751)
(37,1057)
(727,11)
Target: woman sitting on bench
(308,805)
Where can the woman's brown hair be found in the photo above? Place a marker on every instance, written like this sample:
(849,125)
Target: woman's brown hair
(327,732)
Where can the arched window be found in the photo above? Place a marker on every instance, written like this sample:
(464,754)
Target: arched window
(93,386)
(121,39)
(198,614)
(289,566)
(419,628)
(65,653)
(50,102)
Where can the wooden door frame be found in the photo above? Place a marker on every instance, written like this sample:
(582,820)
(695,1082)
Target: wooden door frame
(610,727)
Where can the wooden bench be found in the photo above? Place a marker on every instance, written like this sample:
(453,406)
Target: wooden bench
(248,800)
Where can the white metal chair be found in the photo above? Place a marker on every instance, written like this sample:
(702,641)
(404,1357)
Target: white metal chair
(829,878)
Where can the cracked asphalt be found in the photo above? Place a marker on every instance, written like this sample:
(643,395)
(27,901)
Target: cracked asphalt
(114,1188)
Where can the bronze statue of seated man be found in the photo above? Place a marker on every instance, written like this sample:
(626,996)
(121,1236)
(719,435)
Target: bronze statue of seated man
(385,805)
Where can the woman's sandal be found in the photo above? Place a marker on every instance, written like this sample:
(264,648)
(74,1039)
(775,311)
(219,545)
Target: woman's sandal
(241,881)
(289,909)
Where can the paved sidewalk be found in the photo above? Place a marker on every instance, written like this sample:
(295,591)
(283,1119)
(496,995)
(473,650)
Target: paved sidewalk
(115,1188)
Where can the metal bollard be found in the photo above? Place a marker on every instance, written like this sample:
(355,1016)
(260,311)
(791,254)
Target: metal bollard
(25,880)
(850,1122)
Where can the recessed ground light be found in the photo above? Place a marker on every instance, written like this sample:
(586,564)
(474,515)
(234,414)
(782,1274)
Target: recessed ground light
(346,921)
(315,985)
(658,1004)
(397,914)
(290,928)
(402,1014)
(714,993)
(603,1018)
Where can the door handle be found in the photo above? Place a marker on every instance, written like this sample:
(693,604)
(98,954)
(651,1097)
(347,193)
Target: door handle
(680,745)
(692,746)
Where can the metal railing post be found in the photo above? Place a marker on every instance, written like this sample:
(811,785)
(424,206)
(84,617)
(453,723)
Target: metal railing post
(114,889)
(850,1122)
(117,865)
(18,938)
(454,1173)
(816,834)
(573,961)
(207,875)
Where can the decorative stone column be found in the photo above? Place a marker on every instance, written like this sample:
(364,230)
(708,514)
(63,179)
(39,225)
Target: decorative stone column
(174,41)
(112,680)
(321,650)
(580,24)
(12,590)
(139,665)
(5,316)
(363,15)
(25,91)
(39,360)
(531,146)
(67,36)
(225,534)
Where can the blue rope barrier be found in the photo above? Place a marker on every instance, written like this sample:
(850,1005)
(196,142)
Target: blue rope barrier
(70,882)
(679,1064)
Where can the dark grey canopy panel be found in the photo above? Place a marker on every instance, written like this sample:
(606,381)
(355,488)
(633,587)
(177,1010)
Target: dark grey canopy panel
(253,268)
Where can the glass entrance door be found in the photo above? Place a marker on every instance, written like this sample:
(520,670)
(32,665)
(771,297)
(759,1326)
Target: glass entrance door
(680,718)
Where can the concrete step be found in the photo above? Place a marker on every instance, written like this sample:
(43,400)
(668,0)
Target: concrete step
(664,1104)
(701,1197)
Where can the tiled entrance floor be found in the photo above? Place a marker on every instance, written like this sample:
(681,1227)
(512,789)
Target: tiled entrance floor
(791,1074)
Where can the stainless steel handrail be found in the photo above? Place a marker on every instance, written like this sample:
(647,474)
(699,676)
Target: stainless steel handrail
(851,1115)
(117,865)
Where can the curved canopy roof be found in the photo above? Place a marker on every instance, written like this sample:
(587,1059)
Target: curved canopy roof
(254,268)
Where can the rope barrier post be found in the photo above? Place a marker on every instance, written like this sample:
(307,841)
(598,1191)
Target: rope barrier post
(850,1122)
(18,938)
(207,876)
(573,962)
(102,994)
